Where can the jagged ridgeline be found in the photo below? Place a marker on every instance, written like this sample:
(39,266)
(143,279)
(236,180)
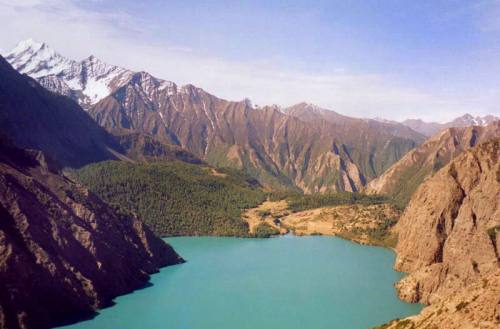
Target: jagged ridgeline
(303,147)
(176,198)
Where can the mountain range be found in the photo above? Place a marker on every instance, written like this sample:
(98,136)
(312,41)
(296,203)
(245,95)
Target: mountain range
(431,128)
(34,117)
(283,148)
(303,146)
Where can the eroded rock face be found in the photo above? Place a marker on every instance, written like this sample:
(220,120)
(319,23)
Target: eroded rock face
(448,235)
(448,242)
(63,252)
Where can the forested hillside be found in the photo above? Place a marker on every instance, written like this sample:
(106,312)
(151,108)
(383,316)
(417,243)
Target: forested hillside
(176,198)
(300,202)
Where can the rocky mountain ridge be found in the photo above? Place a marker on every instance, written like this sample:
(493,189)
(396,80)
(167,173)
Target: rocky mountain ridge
(33,117)
(278,149)
(281,150)
(466,120)
(86,81)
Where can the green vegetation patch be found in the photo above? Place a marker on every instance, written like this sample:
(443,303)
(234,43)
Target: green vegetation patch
(461,306)
(398,324)
(492,233)
(176,198)
(264,230)
(299,202)
(376,236)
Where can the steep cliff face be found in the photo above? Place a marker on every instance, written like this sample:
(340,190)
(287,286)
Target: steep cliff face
(403,178)
(450,231)
(63,252)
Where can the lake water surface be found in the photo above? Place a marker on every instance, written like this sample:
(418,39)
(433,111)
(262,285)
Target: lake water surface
(286,282)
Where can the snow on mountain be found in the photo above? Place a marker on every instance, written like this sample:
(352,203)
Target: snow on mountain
(87,81)
(36,59)
(431,128)
(469,120)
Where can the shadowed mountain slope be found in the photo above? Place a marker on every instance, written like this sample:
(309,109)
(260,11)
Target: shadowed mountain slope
(63,252)
(33,117)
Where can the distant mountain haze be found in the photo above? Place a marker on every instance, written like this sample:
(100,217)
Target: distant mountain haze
(431,128)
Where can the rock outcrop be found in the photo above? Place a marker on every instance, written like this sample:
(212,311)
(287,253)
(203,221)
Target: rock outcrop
(448,243)
(403,178)
(63,252)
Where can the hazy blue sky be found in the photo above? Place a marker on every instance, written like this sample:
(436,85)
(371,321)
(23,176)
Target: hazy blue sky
(394,59)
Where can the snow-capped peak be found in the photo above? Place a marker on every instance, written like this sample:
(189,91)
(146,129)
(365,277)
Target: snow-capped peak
(468,120)
(26,45)
(310,107)
(87,81)
(36,59)
(92,58)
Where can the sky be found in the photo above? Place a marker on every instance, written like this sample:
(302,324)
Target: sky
(393,59)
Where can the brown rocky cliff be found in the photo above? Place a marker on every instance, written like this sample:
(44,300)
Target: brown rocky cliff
(63,252)
(449,235)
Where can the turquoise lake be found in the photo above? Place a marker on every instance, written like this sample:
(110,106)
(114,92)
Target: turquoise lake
(285,282)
